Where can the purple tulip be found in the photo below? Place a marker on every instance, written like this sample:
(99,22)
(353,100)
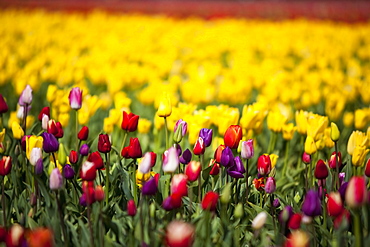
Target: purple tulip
(39,167)
(178,149)
(311,205)
(227,157)
(206,134)
(84,150)
(83,201)
(247,149)
(270,185)
(276,203)
(50,143)
(150,187)
(180,130)
(285,214)
(68,172)
(342,190)
(186,157)
(56,179)
(26,96)
(237,170)
(75,98)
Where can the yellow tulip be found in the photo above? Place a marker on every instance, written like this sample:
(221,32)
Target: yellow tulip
(348,119)
(362,117)
(144,126)
(301,121)
(310,145)
(33,142)
(359,155)
(316,125)
(288,131)
(2,135)
(334,132)
(165,107)
(276,121)
(273,158)
(17,130)
(357,138)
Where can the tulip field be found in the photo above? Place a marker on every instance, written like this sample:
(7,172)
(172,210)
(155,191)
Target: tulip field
(149,130)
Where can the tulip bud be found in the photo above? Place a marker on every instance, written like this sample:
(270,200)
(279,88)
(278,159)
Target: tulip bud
(232,136)
(56,180)
(247,149)
(333,163)
(285,214)
(179,130)
(145,163)
(170,160)
(73,157)
(215,170)
(50,143)
(226,194)
(83,134)
(36,154)
(239,211)
(264,165)
(306,158)
(298,238)
(295,221)
(179,184)
(206,135)
(26,96)
(334,132)
(131,208)
(227,157)
(129,122)
(356,193)
(84,150)
(99,193)
(17,130)
(44,111)
(153,158)
(96,158)
(192,170)
(311,205)
(310,145)
(165,107)
(270,185)
(237,170)
(134,150)
(276,203)
(5,165)
(104,145)
(209,201)
(334,204)
(39,167)
(45,122)
(321,170)
(3,105)
(15,236)
(218,153)
(150,187)
(75,98)
(68,172)
(199,147)
(88,171)
(367,168)
(259,221)
(179,233)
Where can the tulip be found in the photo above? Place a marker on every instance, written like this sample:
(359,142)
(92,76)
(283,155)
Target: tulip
(297,238)
(286,214)
(356,193)
(99,193)
(84,150)
(295,221)
(311,205)
(5,165)
(73,157)
(36,154)
(334,132)
(237,170)
(209,201)
(247,149)
(179,184)
(62,156)
(88,171)
(215,170)
(68,172)
(321,170)
(165,107)
(179,234)
(17,130)
(56,180)
(131,208)
(270,185)
(232,136)
(342,219)
(15,236)
(39,167)
(226,194)
(134,150)
(150,187)
(367,168)
(129,122)
(199,147)
(170,160)
(145,163)
(264,165)
(276,203)
(334,204)
(306,158)
(26,96)
(88,192)
(104,145)
(180,130)
(32,142)
(40,237)
(96,158)
(44,122)
(332,163)
(3,105)
(44,111)
(50,143)
(55,128)
(259,221)
(310,146)
(206,135)
(153,158)
(83,134)
(23,111)
(172,202)
(259,183)
(218,153)
(227,157)
(75,98)
(192,170)
(359,155)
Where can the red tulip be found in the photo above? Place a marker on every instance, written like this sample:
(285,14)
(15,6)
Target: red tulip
(179,184)
(215,170)
(334,204)
(131,208)
(40,237)
(44,111)
(295,221)
(332,163)
(209,201)
(321,170)
(218,153)
(192,170)
(306,158)
(129,122)
(199,147)
(3,105)
(232,136)
(343,216)
(99,193)
(5,165)
(367,168)
(134,150)
(73,157)
(356,193)
(264,165)
(172,202)
(153,157)
(88,171)
(83,134)
(179,234)
(104,145)
(55,128)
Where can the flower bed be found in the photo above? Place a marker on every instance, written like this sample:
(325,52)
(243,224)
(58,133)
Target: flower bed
(151,130)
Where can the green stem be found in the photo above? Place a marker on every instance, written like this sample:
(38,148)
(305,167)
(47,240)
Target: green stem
(134,188)
(287,148)
(107,165)
(3,200)
(357,228)
(124,140)
(142,219)
(336,165)
(77,143)
(246,180)
(272,141)
(166,131)
(61,219)
(89,220)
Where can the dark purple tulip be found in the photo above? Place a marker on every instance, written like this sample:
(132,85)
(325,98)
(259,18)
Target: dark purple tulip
(285,214)
(186,156)
(68,172)
(237,170)
(342,190)
(206,134)
(227,157)
(39,167)
(276,203)
(150,187)
(178,149)
(83,200)
(50,143)
(167,204)
(311,205)
(84,150)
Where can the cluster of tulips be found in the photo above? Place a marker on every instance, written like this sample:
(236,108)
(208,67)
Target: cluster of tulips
(95,188)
